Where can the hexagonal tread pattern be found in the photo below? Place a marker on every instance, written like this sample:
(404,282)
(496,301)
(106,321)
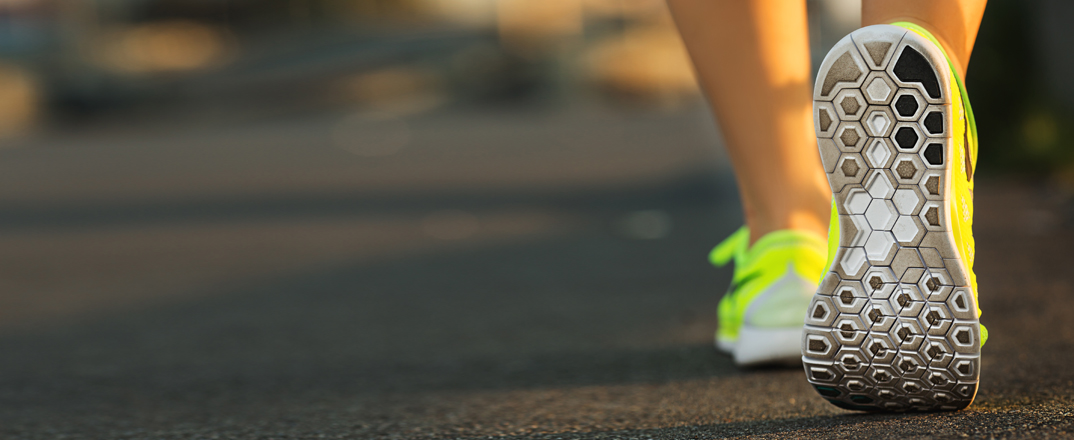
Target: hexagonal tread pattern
(894,325)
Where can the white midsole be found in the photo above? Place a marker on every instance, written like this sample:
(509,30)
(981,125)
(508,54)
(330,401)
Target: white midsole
(725,346)
(760,345)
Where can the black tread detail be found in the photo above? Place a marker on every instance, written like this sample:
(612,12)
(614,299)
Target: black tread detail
(934,154)
(906,137)
(906,105)
(934,123)
(913,67)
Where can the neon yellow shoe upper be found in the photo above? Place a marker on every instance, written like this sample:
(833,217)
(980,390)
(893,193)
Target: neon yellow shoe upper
(774,257)
(964,152)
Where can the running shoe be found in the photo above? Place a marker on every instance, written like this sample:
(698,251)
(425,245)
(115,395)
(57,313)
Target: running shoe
(760,317)
(894,325)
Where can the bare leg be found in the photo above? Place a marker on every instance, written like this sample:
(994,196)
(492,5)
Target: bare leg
(954,23)
(752,58)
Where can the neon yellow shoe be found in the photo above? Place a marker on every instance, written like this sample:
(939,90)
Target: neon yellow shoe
(760,317)
(894,324)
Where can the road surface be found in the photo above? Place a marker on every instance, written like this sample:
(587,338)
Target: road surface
(459,275)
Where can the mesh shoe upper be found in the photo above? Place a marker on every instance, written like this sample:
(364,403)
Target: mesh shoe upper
(773,280)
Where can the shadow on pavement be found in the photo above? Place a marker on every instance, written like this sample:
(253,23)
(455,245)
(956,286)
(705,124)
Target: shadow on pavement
(584,333)
(589,308)
(694,189)
(795,427)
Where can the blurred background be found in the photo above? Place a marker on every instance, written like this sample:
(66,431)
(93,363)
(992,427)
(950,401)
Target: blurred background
(88,63)
(154,116)
(71,66)
(225,213)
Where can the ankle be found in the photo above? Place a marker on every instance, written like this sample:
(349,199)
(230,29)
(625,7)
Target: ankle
(803,212)
(798,220)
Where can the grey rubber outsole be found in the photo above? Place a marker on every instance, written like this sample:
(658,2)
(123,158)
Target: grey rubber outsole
(894,324)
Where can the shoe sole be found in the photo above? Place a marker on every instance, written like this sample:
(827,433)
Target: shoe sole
(893,325)
(768,346)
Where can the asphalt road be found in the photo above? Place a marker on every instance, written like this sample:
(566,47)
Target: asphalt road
(488,275)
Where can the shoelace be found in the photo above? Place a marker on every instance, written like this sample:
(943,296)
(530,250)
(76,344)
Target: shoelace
(733,247)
